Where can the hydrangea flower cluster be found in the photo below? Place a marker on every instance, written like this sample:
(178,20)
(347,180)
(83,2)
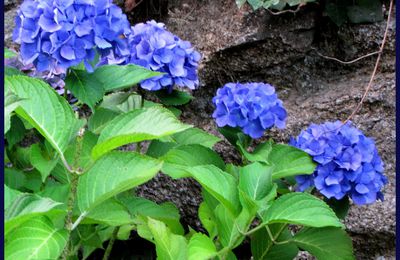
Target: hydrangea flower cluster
(254,107)
(348,162)
(157,49)
(62,33)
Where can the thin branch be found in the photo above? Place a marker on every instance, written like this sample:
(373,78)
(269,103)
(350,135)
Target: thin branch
(346,62)
(287,11)
(375,68)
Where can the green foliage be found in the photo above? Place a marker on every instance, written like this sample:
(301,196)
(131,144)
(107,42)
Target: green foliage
(70,191)
(9,54)
(325,243)
(136,126)
(36,239)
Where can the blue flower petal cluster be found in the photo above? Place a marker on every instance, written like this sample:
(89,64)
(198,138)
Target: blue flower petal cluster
(348,162)
(254,107)
(157,49)
(63,33)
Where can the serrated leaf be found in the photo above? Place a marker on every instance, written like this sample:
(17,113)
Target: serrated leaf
(195,136)
(201,247)
(136,126)
(41,163)
(179,159)
(114,173)
(221,185)
(165,212)
(326,243)
(117,77)
(11,102)
(100,118)
(14,178)
(169,246)
(263,248)
(16,132)
(36,239)
(27,206)
(175,98)
(260,153)
(9,196)
(85,86)
(289,161)
(132,102)
(301,209)
(43,108)
(111,212)
(256,180)
(207,219)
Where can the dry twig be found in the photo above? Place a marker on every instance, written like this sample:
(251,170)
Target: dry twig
(375,68)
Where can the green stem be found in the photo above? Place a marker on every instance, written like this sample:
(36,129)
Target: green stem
(110,244)
(72,194)
(138,147)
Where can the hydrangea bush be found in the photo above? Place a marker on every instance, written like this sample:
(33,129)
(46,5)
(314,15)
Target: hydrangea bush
(74,188)
(348,162)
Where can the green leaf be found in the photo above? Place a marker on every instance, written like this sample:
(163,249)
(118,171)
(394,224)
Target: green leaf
(327,243)
(42,162)
(240,3)
(36,239)
(262,247)
(117,77)
(179,159)
(168,245)
(207,219)
(136,126)
(165,212)
(33,180)
(112,100)
(256,180)
(9,54)
(85,86)
(289,161)
(11,71)
(302,209)
(9,196)
(255,3)
(111,212)
(201,247)
(14,178)
(260,153)
(175,98)
(16,133)
(56,191)
(340,207)
(228,232)
(235,136)
(11,103)
(221,185)
(158,149)
(195,136)
(100,119)
(337,11)
(134,101)
(112,174)
(27,206)
(43,108)
(85,157)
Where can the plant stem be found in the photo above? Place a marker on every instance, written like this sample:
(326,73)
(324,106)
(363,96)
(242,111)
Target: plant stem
(138,147)
(72,194)
(110,244)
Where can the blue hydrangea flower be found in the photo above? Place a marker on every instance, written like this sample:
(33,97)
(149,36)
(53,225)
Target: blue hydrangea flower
(254,107)
(348,162)
(157,49)
(62,33)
